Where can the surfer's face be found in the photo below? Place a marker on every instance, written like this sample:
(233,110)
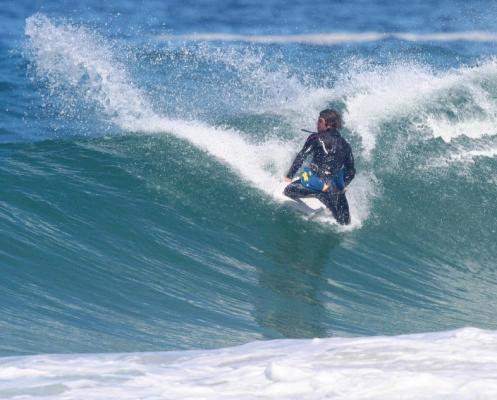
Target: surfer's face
(322,125)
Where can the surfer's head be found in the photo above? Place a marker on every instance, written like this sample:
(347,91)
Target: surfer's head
(329,119)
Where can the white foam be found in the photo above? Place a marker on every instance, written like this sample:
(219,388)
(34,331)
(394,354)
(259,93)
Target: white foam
(318,38)
(490,153)
(460,364)
(73,56)
(377,95)
(336,38)
(445,104)
(464,36)
(463,156)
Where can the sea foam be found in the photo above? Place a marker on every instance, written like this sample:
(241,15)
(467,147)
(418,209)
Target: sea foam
(337,38)
(460,364)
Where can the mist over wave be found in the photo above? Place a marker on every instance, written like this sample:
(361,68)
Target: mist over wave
(97,78)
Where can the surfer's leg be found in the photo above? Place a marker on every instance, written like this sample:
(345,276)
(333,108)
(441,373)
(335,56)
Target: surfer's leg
(338,205)
(296,190)
(343,213)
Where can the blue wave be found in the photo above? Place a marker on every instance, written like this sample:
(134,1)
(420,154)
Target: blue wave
(140,206)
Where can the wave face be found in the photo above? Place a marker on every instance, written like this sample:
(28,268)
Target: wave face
(141,209)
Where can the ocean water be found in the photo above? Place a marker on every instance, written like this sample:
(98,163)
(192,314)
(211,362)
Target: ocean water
(145,248)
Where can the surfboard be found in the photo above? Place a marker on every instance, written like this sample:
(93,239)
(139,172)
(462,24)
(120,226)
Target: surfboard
(307,206)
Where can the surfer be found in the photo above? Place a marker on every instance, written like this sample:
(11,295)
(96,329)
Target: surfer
(331,168)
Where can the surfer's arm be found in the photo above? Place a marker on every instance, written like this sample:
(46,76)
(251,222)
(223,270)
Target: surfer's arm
(301,156)
(349,167)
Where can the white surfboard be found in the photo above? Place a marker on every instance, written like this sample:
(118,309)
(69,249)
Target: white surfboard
(308,206)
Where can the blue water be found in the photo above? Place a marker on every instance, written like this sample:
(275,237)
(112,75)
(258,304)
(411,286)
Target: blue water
(140,169)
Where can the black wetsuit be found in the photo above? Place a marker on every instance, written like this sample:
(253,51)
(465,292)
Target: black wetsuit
(330,152)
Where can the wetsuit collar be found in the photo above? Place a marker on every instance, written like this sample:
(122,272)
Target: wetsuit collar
(332,132)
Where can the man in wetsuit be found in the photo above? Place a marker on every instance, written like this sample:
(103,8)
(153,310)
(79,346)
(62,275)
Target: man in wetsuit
(330,153)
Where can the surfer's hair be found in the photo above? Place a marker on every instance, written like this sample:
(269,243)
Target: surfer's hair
(332,118)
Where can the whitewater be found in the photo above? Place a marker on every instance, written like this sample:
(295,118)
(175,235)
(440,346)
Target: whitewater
(147,252)
(425,366)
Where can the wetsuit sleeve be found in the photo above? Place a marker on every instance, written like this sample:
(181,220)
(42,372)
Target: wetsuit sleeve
(301,156)
(349,166)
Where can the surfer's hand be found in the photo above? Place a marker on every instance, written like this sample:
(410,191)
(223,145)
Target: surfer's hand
(287,179)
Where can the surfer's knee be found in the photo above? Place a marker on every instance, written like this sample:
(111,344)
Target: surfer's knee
(343,213)
(288,191)
(338,205)
(343,219)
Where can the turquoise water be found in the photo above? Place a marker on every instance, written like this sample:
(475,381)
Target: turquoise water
(140,176)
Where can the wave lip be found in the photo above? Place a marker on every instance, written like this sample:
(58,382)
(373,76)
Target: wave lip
(459,363)
(338,37)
